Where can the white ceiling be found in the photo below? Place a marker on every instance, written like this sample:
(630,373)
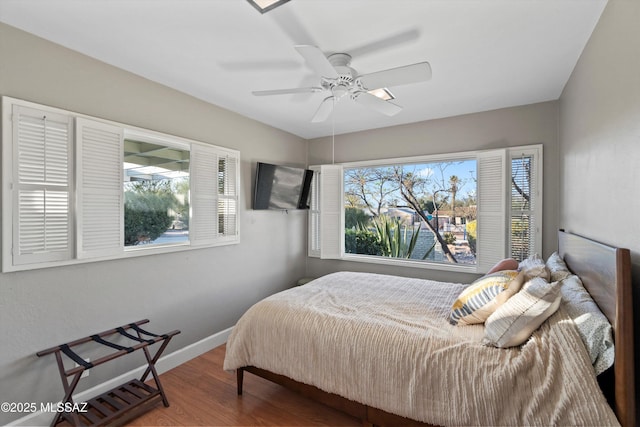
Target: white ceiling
(485,54)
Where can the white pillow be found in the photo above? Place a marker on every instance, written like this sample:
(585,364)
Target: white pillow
(557,267)
(515,320)
(593,326)
(534,266)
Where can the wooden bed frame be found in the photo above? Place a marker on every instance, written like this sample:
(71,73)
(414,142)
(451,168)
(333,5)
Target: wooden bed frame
(606,274)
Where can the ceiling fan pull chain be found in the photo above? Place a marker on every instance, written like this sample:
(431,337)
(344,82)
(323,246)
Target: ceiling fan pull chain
(333,134)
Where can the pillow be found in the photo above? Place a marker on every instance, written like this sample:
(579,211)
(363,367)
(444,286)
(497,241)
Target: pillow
(505,264)
(593,326)
(480,299)
(557,267)
(514,321)
(534,267)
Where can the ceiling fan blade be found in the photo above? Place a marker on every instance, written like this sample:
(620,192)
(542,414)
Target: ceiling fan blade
(387,42)
(317,61)
(380,105)
(287,91)
(324,110)
(415,73)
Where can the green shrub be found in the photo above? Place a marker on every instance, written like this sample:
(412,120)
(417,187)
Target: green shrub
(449,238)
(146,211)
(361,241)
(354,216)
(142,226)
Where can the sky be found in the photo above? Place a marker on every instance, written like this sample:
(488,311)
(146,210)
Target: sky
(465,170)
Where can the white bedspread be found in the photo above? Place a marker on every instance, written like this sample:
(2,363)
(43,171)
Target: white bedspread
(385,341)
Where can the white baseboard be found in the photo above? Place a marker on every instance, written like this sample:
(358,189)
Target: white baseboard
(164,364)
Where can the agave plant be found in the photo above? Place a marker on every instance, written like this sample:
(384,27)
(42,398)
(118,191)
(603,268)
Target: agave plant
(394,238)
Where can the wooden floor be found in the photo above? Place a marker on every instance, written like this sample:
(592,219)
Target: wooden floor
(201,393)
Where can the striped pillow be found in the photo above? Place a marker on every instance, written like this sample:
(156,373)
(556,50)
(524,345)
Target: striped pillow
(476,303)
(514,322)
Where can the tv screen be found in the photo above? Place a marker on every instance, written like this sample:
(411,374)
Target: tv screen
(281,187)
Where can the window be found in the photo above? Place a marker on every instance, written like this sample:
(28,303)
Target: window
(156,193)
(416,211)
(78,189)
(445,211)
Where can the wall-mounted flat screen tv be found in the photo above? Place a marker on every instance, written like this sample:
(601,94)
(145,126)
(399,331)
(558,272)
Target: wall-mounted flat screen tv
(281,187)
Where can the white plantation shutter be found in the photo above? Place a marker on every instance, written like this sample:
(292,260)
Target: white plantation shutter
(314,214)
(214,195)
(203,225)
(491,230)
(331,226)
(42,144)
(525,207)
(227,196)
(100,150)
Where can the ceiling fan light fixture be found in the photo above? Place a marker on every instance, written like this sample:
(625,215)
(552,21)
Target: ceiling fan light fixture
(266,5)
(382,93)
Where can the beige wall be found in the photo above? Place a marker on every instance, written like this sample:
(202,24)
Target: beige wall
(600,132)
(530,124)
(600,138)
(200,292)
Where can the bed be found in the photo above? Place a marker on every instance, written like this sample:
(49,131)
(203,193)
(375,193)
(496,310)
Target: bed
(381,348)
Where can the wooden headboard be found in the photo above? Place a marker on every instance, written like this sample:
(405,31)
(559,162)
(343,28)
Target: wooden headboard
(606,274)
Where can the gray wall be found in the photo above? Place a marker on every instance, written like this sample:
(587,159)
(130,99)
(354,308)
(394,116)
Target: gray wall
(200,292)
(530,124)
(600,139)
(600,133)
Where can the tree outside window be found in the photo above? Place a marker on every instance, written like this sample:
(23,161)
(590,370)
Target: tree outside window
(414,211)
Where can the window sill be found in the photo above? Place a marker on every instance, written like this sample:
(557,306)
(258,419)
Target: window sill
(463,268)
(126,254)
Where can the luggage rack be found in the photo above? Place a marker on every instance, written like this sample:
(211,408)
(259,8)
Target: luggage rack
(117,404)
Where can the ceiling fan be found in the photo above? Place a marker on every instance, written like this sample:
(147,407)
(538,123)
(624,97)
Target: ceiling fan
(338,78)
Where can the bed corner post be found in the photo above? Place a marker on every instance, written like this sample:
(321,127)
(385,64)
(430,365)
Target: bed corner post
(239,379)
(624,365)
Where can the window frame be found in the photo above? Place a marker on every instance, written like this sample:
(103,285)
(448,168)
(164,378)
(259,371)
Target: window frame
(9,219)
(317,226)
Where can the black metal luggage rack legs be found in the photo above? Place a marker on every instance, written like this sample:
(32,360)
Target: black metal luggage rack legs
(115,405)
